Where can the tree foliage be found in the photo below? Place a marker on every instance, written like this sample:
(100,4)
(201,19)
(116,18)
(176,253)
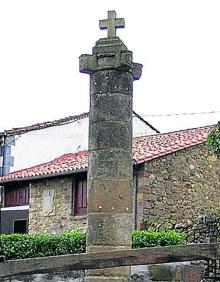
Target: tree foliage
(213,139)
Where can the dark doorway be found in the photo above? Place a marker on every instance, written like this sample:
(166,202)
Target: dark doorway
(20,226)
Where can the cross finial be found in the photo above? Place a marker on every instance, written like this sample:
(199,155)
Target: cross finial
(112,23)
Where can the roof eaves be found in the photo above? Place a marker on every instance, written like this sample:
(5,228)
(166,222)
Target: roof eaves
(43,176)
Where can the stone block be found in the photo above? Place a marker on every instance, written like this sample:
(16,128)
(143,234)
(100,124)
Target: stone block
(110,106)
(110,195)
(115,272)
(110,135)
(192,273)
(106,279)
(110,163)
(112,81)
(109,229)
(161,273)
(109,45)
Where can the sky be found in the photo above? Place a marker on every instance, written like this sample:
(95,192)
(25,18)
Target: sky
(178,43)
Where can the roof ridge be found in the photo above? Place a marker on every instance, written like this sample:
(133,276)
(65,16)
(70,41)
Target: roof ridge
(57,122)
(176,131)
(45,124)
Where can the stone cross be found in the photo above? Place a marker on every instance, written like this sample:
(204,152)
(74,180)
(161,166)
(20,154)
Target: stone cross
(112,23)
(110,174)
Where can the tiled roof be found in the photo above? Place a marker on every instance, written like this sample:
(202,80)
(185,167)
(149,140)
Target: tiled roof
(150,147)
(145,148)
(65,120)
(63,165)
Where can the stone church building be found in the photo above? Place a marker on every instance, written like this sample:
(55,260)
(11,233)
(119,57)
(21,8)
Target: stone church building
(176,179)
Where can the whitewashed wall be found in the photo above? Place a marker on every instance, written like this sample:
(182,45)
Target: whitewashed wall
(40,146)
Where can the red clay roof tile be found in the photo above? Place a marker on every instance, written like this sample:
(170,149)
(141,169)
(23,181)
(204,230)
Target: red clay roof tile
(145,148)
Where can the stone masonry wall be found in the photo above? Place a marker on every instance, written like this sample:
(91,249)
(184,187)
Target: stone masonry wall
(51,207)
(174,191)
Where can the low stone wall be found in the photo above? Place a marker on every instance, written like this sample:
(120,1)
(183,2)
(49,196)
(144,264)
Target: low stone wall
(142,273)
(67,276)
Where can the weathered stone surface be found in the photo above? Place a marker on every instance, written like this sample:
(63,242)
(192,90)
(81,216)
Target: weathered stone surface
(110,163)
(109,229)
(112,23)
(100,190)
(141,273)
(193,273)
(116,272)
(110,135)
(112,71)
(111,81)
(158,272)
(61,219)
(67,276)
(174,197)
(106,113)
(106,279)
(109,46)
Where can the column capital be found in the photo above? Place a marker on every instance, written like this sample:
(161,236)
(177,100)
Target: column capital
(109,53)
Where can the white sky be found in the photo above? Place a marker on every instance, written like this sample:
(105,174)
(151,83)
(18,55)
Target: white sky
(178,43)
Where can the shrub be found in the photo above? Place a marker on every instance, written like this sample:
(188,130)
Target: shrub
(143,239)
(14,246)
(213,139)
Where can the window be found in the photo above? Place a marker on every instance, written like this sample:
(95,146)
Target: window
(18,196)
(80,193)
(20,226)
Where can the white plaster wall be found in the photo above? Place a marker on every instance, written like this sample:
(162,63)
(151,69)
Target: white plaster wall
(40,146)
(140,128)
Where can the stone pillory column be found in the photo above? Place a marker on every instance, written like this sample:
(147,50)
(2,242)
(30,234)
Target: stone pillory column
(112,72)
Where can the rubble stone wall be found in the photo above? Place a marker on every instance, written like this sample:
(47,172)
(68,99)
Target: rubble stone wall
(50,208)
(176,190)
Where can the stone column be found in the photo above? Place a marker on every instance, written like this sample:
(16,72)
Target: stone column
(110,172)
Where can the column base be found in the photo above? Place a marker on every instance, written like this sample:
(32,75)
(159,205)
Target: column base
(106,279)
(120,274)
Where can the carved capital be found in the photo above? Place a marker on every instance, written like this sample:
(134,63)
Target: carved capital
(124,60)
(87,63)
(137,70)
(109,54)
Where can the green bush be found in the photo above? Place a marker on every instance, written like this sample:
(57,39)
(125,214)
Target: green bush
(213,139)
(143,239)
(14,246)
